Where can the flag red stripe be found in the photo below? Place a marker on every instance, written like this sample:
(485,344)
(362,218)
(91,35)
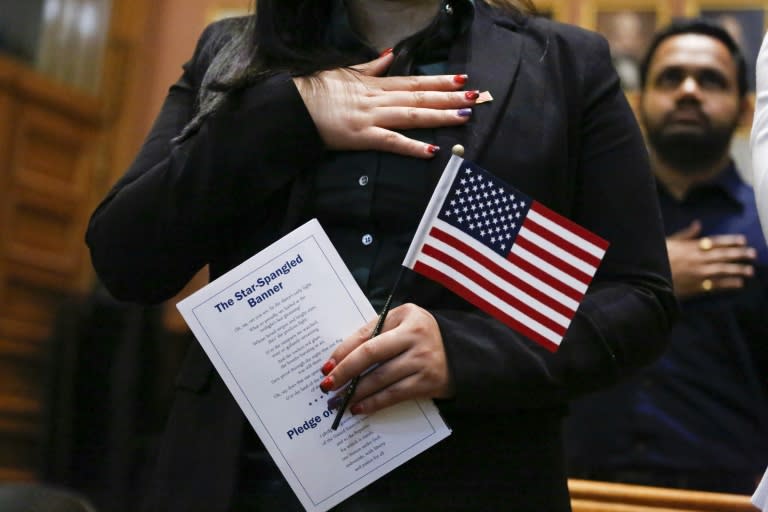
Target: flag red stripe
(552,260)
(555,283)
(516,303)
(505,274)
(561,242)
(461,291)
(570,225)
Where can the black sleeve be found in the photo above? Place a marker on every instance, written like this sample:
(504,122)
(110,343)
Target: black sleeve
(752,315)
(158,225)
(623,320)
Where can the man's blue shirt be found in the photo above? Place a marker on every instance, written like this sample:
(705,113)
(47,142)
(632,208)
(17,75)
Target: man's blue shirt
(703,406)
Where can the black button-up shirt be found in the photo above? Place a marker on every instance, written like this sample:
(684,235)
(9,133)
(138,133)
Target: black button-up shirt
(370,203)
(699,415)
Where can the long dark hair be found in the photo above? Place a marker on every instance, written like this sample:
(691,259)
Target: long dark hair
(284,36)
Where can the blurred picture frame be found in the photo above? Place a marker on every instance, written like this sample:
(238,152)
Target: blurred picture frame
(228,9)
(628,26)
(552,9)
(745,21)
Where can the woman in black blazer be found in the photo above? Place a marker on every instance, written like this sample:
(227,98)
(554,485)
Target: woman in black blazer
(268,127)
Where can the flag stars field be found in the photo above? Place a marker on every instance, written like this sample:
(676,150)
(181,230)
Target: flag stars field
(504,252)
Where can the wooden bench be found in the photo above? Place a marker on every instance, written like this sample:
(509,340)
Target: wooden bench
(593,496)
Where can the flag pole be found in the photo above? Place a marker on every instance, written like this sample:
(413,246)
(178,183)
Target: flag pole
(432,209)
(430,213)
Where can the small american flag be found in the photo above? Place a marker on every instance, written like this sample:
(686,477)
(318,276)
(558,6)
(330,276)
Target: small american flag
(510,256)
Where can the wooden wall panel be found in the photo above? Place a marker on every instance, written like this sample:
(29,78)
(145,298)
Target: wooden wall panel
(50,172)
(28,304)
(19,445)
(19,380)
(22,395)
(47,162)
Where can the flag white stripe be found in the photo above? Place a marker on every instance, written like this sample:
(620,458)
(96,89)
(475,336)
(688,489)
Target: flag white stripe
(500,282)
(549,269)
(471,241)
(491,298)
(505,264)
(563,233)
(556,251)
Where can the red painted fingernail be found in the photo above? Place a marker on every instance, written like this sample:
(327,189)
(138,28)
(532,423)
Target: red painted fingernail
(432,149)
(327,384)
(356,409)
(328,367)
(471,95)
(385,52)
(460,79)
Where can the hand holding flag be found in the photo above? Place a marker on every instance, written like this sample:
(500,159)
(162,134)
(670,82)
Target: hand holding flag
(510,256)
(507,254)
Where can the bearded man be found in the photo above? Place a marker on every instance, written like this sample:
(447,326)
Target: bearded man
(698,418)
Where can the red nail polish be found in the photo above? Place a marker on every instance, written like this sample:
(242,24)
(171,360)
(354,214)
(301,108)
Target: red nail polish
(328,367)
(356,409)
(471,95)
(432,149)
(327,384)
(385,52)
(460,79)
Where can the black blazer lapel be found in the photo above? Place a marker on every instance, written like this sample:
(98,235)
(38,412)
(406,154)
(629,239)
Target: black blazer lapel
(489,53)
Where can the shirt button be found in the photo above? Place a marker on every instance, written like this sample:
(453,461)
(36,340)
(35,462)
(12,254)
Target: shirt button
(367,239)
(363,181)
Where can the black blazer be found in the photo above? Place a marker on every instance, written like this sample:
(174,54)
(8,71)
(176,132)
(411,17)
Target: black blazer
(559,129)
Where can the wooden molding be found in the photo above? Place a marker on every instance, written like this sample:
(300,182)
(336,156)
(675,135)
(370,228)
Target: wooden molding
(14,331)
(592,496)
(19,407)
(17,475)
(30,85)
(25,350)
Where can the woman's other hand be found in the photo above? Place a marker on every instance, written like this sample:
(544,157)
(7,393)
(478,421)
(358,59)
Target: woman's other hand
(410,356)
(357,109)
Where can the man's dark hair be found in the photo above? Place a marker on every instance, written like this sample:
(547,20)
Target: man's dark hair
(700,26)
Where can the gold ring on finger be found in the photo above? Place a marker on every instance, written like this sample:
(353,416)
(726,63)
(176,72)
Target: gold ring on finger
(706,285)
(705,243)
